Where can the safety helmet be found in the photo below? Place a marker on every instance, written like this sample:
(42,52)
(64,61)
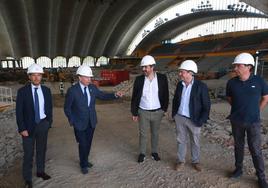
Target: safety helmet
(147,60)
(84,70)
(244,58)
(189,65)
(35,68)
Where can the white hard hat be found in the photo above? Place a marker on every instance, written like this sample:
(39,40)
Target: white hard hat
(147,60)
(35,68)
(189,65)
(244,58)
(84,70)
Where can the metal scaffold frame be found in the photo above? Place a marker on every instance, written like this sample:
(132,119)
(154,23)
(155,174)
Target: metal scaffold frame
(5,96)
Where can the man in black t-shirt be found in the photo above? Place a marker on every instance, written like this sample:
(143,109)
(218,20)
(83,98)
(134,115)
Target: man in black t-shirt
(248,95)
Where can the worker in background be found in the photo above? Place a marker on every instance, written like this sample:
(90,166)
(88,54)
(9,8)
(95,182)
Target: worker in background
(34,118)
(190,109)
(61,87)
(79,107)
(148,104)
(248,95)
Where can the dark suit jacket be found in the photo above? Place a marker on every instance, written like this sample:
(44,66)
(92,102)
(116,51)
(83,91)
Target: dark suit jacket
(25,108)
(79,114)
(199,102)
(138,88)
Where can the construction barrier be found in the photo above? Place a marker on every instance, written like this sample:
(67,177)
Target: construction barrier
(113,77)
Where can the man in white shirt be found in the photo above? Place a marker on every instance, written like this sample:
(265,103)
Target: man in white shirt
(148,104)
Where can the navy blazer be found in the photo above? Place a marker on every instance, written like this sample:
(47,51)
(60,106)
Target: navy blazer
(25,108)
(79,114)
(199,102)
(138,89)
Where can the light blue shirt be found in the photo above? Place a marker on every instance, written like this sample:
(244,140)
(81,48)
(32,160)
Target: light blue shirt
(40,99)
(88,94)
(185,99)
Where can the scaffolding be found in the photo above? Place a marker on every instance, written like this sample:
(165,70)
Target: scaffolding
(261,66)
(6,99)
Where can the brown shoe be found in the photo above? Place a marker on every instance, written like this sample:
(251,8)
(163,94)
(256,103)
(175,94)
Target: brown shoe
(179,166)
(197,167)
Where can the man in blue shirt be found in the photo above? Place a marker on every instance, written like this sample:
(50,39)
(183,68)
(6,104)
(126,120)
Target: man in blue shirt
(190,109)
(248,95)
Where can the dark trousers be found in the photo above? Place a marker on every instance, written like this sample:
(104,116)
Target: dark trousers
(84,139)
(254,143)
(38,140)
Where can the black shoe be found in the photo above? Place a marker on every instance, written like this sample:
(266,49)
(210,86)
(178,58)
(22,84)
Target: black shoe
(84,170)
(89,165)
(236,174)
(262,183)
(141,158)
(155,157)
(28,184)
(43,175)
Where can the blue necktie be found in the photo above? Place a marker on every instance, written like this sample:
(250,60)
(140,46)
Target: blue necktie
(36,106)
(85,94)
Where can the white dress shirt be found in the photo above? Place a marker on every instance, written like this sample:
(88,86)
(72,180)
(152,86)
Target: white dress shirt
(185,99)
(150,98)
(88,94)
(40,99)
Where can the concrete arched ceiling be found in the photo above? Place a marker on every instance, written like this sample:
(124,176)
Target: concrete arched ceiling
(180,24)
(73,27)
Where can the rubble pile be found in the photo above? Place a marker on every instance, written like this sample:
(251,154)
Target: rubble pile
(218,130)
(10,141)
(125,86)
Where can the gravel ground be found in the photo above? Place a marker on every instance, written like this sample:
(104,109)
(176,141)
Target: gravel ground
(115,150)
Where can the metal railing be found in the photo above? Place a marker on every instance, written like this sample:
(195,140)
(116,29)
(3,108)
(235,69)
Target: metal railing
(5,96)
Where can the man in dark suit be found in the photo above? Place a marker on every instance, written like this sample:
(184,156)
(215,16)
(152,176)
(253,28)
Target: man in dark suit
(190,109)
(80,110)
(148,104)
(34,118)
